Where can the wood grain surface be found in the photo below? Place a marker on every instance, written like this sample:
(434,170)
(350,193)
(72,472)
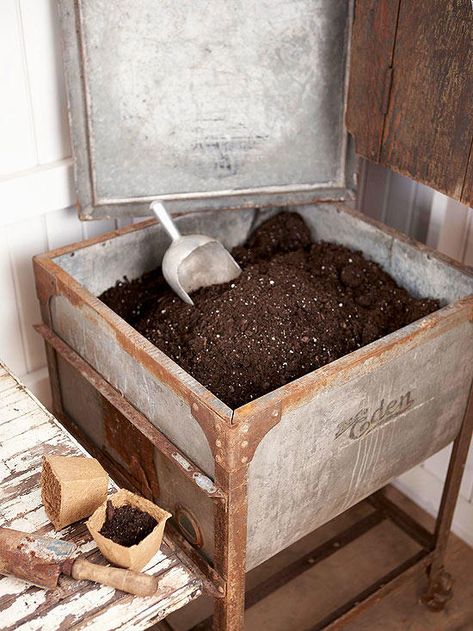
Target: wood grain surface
(374,30)
(27,432)
(417,90)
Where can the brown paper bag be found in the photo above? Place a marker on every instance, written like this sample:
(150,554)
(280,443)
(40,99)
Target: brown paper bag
(71,488)
(133,557)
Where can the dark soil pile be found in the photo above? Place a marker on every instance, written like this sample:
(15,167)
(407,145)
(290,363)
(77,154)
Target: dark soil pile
(297,306)
(126,525)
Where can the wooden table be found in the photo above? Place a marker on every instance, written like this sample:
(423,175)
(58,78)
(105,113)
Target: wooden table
(27,432)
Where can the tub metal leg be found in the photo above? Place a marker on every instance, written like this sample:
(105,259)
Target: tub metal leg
(439,590)
(230,553)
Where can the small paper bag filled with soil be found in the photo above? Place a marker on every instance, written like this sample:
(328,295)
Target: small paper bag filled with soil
(71,488)
(128,529)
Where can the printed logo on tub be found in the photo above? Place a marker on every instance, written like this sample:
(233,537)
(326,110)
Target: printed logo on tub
(366,419)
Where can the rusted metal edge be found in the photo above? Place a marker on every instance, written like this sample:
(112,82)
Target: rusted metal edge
(190,470)
(105,236)
(230,528)
(234,447)
(232,202)
(455,471)
(213,583)
(402,520)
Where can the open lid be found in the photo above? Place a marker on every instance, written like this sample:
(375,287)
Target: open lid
(410,100)
(222,103)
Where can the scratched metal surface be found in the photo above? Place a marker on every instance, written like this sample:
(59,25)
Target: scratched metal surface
(193,100)
(356,435)
(302,474)
(84,406)
(98,267)
(95,342)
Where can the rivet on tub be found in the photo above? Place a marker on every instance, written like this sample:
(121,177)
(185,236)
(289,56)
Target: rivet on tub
(204,482)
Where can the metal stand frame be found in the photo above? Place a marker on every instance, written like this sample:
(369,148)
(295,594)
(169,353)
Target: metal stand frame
(225,580)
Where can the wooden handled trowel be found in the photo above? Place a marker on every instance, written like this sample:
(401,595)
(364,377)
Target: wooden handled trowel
(40,560)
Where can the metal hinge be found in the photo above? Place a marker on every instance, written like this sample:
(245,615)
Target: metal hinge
(388,79)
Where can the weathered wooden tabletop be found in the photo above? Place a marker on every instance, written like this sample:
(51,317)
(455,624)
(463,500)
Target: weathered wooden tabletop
(27,431)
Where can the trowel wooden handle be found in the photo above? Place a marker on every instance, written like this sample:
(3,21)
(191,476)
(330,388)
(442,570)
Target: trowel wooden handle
(125,580)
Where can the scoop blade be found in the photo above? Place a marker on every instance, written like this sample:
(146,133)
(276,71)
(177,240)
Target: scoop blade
(193,262)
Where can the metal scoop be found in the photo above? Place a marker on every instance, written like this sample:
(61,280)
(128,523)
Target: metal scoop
(193,261)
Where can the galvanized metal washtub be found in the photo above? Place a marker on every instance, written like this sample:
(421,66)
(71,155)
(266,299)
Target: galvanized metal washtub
(313,448)
(218,109)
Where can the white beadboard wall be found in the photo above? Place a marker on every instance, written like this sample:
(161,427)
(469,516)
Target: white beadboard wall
(36,213)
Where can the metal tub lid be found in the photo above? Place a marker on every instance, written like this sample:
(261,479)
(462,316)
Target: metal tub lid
(222,103)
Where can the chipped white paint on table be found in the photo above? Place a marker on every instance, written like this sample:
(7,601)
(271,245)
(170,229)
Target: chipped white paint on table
(27,432)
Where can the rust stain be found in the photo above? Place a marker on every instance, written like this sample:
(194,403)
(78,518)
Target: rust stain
(45,281)
(231,522)
(233,446)
(134,449)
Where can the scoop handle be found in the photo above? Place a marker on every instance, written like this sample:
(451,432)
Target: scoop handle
(165,219)
(126,580)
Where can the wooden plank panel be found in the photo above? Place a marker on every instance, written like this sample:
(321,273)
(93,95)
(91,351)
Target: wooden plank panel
(428,128)
(46,79)
(374,28)
(71,601)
